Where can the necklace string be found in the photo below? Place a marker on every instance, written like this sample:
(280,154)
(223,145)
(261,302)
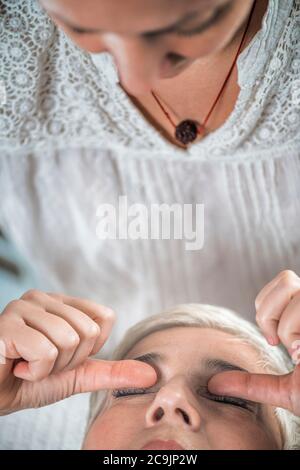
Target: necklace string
(188,130)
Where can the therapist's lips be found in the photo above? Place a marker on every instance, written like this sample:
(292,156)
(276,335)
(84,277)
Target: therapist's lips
(162,445)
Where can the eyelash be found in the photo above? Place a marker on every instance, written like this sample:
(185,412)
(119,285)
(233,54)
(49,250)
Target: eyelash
(221,14)
(79,31)
(217,398)
(230,401)
(128,391)
(198,30)
(194,32)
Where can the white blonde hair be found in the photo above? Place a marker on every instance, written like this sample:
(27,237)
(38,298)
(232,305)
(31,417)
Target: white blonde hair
(273,359)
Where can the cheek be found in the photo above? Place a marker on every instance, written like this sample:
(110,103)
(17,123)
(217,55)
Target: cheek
(114,429)
(202,45)
(90,43)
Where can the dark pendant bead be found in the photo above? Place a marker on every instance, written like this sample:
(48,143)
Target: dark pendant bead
(187,131)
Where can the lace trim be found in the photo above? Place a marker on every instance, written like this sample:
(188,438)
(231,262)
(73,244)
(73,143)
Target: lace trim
(59,96)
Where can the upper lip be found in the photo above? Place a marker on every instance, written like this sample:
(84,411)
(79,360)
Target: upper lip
(169,444)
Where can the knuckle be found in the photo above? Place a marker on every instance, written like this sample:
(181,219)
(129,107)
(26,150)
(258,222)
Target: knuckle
(50,352)
(107,313)
(257,319)
(258,301)
(263,321)
(36,376)
(287,276)
(261,318)
(92,331)
(32,294)
(55,296)
(12,306)
(71,341)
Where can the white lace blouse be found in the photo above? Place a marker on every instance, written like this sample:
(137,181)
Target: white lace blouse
(70,139)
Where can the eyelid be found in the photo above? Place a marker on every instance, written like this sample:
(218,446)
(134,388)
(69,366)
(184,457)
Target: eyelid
(81,31)
(235,401)
(71,28)
(219,14)
(197,30)
(78,30)
(128,391)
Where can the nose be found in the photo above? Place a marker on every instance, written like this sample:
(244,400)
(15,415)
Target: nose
(141,63)
(174,404)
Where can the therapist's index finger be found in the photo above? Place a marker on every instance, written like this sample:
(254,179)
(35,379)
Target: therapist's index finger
(274,390)
(105,375)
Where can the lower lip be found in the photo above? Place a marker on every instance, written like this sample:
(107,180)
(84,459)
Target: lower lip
(162,445)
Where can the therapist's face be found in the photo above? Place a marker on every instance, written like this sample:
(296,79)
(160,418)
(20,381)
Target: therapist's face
(178,411)
(150,39)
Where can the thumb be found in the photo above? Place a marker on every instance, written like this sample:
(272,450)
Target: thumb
(95,375)
(274,390)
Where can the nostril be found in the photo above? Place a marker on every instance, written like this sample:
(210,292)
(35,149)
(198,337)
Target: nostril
(174,58)
(159,413)
(185,417)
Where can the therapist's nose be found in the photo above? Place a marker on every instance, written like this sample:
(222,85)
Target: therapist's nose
(175,405)
(141,62)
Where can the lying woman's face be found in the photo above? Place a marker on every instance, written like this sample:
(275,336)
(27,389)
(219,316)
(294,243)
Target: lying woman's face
(179,410)
(150,39)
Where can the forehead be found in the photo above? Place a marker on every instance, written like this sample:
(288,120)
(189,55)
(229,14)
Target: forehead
(109,14)
(188,346)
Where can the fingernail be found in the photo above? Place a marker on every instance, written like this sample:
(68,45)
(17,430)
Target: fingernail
(273,341)
(294,348)
(294,352)
(296,345)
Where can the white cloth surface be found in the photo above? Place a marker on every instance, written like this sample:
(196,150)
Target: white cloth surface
(70,139)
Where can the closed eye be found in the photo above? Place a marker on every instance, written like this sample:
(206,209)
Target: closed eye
(239,402)
(219,15)
(76,30)
(204,391)
(128,391)
(216,18)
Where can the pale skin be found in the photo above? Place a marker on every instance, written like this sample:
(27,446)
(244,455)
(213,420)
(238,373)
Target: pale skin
(46,341)
(277,307)
(185,66)
(197,422)
(179,408)
(46,344)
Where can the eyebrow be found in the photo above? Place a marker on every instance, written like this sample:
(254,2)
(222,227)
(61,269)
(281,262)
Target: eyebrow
(214,365)
(168,29)
(211,365)
(219,365)
(152,358)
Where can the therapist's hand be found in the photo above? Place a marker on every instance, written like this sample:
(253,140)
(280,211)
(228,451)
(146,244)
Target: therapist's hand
(281,391)
(45,344)
(277,310)
(278,316)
